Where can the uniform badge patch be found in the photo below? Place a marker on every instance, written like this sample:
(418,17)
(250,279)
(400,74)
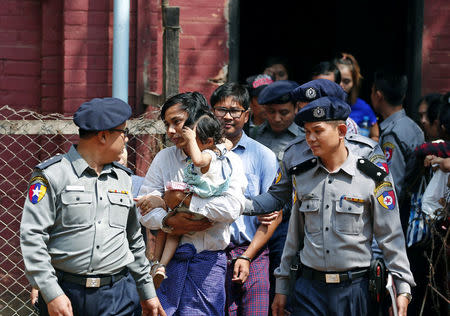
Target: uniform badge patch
(387,200)
(37,190)
(278,177)
(383,166)
(310,93)
(388,149)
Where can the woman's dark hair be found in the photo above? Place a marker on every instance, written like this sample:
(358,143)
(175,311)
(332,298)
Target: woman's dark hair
(434,103)
(209,126)
(237,92)
(324,68)
(350,61)
(194,103)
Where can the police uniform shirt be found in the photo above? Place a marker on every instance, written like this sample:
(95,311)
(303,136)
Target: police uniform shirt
(336,215)
(223,210)
(277,141)
(298,152)
(399,137)
(82,223)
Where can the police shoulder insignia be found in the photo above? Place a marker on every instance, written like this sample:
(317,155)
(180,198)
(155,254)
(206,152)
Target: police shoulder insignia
(278,177)
(38,189)
(302,167)
(385,195)
(388,149)
(49,162)
(371,170)
(127,170)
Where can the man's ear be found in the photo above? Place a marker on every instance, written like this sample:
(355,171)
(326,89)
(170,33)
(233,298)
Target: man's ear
(101,137)
(246,115)
(342,130)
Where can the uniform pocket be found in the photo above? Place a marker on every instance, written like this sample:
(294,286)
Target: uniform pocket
(77,209)
(348,217)
(313,220)
(118,210)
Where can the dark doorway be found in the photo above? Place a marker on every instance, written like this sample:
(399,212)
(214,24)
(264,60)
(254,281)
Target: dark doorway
(308,32)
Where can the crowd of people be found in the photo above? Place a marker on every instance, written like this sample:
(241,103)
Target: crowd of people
(274,199)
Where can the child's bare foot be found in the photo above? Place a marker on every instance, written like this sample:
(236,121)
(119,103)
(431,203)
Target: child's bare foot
(158,273)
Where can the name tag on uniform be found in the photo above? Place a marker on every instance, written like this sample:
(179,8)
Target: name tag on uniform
(75,188)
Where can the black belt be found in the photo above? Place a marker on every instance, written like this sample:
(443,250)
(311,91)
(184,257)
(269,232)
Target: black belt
(333,277)
(91,280)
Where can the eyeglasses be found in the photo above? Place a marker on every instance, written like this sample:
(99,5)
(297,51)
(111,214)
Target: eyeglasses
(125,131)
(234,113)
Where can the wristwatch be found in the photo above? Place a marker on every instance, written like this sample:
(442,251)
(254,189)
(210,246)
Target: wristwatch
(164,227)
(407,295)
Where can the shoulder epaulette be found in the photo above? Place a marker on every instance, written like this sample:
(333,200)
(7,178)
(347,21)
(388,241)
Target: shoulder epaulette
(49,162)
(372,170)
(127,170)
(361,139)
(304,166)
(295,141)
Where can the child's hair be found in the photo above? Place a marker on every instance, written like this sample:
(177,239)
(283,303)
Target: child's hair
(208,126)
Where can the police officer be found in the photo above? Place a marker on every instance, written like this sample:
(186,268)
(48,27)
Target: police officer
(343,202)
(80,237)
(297,151)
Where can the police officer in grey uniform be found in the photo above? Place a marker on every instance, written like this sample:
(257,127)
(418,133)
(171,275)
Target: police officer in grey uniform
(80,236)
(400,135)
(341,202)
(297,151)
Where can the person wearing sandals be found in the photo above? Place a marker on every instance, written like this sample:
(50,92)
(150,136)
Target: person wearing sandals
(207,173)
(196,273)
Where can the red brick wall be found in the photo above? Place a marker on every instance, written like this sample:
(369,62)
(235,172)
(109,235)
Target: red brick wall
(20,49)
(436,47)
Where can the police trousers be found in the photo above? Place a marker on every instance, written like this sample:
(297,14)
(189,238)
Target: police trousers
(313,297)
(120,298)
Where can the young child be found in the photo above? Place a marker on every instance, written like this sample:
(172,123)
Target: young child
(206,174)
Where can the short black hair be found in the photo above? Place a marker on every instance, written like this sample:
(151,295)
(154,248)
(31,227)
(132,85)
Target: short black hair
(234,90)
(209,126)
(84,134)
(434,103)
(194,103)
(324,68)
(393,85)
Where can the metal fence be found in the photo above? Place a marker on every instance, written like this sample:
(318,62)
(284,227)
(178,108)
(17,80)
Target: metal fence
(26,138)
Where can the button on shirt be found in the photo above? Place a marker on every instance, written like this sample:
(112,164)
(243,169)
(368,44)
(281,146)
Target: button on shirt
(399,137)
(260,166)
(337,215)
(168,165)
(84,224)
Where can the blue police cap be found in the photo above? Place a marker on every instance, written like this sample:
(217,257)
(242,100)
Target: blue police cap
(278,92)
(323,109)
(318,88)
(102,114)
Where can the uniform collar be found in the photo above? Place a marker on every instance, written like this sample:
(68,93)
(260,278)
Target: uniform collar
(349,166)
(80,165)
(392,119)
(243,142)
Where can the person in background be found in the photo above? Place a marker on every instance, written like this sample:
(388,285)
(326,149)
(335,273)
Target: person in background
(326,70)
(277,68)
(247,281)
(86,194)
(342,204)
(429,106)
(255,84)
(400,135)
(351,79)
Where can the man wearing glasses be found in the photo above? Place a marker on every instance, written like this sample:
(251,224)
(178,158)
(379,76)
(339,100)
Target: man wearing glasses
(80,237)
(247,282)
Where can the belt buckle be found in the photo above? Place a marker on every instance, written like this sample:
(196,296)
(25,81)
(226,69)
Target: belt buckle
(332,278)
(93,282)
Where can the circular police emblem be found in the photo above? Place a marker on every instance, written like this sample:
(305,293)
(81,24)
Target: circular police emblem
(310,93)
(318,112)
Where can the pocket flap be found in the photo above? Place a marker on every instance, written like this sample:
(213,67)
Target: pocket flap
(349,207)
(310,205)
(119,198)
(68,198)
